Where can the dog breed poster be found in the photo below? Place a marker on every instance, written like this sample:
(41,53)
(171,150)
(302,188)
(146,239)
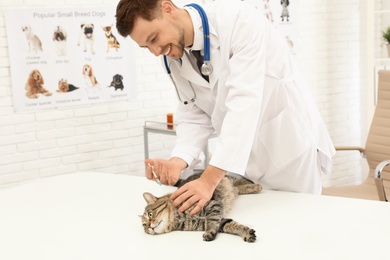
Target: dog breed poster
(68,57)
(282,15)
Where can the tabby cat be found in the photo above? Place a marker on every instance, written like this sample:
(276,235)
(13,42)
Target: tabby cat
(160,216)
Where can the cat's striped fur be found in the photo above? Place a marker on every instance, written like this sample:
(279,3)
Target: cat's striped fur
(160,216)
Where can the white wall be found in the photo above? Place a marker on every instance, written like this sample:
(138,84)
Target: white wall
(109,137)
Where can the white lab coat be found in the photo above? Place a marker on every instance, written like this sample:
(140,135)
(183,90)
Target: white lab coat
(256,102)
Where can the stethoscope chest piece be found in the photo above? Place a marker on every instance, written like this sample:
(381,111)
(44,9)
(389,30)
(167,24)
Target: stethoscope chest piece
(206,68)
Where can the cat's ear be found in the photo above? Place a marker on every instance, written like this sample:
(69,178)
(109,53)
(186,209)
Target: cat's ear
(150,198)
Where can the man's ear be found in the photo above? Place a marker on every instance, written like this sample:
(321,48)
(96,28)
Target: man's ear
(167,7)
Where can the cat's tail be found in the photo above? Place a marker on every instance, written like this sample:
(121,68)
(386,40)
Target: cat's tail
(249,189)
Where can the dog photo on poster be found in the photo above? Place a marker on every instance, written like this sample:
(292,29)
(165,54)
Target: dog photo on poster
(68,57)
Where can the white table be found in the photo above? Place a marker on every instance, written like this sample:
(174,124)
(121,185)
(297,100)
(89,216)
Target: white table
(93,216)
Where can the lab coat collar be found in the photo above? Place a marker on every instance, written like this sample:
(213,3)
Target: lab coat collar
(198,29)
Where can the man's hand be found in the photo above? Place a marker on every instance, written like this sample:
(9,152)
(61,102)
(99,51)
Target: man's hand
(198,192)
(168,171)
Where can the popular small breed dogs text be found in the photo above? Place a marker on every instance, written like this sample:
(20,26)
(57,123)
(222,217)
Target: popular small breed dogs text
(34,85)
(112,42)
(34,43)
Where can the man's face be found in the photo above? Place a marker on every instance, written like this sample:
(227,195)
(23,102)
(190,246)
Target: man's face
(162,36)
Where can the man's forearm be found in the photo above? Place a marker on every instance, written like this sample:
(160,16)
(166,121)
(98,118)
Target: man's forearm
(213,175)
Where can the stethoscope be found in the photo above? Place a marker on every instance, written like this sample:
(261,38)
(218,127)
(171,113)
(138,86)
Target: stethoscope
(206,68)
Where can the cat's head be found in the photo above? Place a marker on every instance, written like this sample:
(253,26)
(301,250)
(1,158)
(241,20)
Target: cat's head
(157,215)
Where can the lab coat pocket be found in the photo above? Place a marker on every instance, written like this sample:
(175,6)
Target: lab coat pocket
(284,138)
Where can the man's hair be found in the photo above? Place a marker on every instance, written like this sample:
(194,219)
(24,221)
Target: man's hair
(127,11)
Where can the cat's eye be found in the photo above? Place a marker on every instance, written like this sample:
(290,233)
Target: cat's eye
(150,214)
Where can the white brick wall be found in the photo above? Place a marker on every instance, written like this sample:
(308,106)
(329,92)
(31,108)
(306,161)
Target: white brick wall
(109,137)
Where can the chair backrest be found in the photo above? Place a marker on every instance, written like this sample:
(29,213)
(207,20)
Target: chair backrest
(378,140)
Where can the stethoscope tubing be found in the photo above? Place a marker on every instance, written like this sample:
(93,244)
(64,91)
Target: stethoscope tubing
(185,102)
(167,66)
(206,31)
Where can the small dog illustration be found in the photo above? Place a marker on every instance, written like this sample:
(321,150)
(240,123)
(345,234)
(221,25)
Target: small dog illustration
(117,82)
(89,78)
(87,34)
(59,38)
(34,43)
(285,13)
(34,85)
(290,43)
(267,11)
(112,42)
(64,86)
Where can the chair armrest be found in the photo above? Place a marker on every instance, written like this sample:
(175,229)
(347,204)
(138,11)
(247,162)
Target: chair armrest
(351,148)
(379,181)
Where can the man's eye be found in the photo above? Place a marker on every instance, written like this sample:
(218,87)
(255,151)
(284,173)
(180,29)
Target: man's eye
(153,39)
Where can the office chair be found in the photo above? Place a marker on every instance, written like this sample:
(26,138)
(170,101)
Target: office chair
(376,151)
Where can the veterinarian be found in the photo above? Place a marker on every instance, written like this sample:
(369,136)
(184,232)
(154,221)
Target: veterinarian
(255,99)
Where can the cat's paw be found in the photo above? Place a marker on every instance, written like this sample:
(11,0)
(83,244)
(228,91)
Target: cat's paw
(250,237)
(209,236)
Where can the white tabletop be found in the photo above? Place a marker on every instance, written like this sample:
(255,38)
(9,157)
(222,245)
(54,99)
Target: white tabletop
(93,216)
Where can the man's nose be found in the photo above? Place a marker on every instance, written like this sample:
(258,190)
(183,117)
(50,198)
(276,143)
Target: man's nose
(156,50)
